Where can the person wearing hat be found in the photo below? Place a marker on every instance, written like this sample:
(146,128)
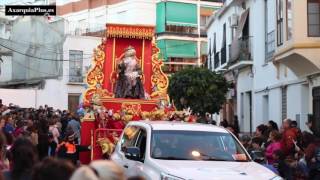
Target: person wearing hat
(69,150)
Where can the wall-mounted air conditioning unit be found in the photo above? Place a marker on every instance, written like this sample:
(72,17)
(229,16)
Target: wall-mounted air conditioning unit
(234,20)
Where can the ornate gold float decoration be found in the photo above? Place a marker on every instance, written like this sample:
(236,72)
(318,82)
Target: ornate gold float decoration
(159,79)
(131,108)
(95,77)
(107,146)
(126,31)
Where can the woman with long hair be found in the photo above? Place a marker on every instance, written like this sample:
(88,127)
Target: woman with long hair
(23,156)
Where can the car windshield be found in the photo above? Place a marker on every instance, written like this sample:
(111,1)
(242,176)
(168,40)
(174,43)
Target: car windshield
(196,145)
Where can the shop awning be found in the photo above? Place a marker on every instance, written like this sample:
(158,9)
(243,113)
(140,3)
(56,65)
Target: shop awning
(177,48)
(208,10)
(235,50)
(242,22)
(181,14)
(161,17)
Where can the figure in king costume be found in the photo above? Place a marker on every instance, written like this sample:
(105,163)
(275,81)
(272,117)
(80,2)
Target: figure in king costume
(129,82)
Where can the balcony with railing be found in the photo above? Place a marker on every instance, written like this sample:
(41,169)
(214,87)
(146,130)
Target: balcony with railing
(240,53)
(180,30)
(97,31)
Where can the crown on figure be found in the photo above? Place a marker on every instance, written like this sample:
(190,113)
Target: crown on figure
(130,51)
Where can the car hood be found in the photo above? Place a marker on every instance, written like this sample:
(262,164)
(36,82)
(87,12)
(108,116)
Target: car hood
(205,170)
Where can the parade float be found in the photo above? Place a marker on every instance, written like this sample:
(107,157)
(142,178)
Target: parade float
(125,83)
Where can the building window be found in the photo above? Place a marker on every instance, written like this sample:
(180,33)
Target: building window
(279,22)
(269,36)
(203,22)
(75,66)
(270,43)
(289,19)
(209,62)
(224,45)
(73,102)
(215,53)
(214,43)
(314,18)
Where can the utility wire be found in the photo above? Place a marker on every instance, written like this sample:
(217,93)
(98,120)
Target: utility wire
(34,70)
(35,45)
(37,71)
(46,59)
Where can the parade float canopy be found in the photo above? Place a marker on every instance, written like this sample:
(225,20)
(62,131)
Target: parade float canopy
(104,74)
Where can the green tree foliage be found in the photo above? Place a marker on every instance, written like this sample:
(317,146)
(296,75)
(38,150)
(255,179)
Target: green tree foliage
(200,89)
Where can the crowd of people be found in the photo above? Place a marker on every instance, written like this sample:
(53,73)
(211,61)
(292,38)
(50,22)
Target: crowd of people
(285,150)
(44,143)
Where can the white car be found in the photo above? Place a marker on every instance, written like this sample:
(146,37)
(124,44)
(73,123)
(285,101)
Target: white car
(164,150)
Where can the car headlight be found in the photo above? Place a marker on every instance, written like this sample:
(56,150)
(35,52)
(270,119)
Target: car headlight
(165,176)
(277,178)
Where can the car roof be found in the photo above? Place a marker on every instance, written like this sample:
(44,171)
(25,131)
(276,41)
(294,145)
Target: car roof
(179,125)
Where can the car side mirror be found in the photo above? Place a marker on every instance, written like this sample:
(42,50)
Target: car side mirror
(257,156)
(132,153)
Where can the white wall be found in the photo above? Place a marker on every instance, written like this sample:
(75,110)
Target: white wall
(244,85)
(62,2)
(133,12)
(92,19)
(21,97)
(82,43)
(273,111)
(55,92)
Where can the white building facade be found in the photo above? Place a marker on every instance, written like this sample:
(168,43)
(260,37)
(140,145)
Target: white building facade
(270,80)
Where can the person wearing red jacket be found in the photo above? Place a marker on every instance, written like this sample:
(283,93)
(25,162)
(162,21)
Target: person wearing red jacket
(289,136)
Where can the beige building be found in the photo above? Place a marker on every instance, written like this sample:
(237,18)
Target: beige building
(298,46)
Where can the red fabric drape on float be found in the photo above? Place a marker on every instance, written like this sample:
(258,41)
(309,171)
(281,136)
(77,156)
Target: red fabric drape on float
(85,157)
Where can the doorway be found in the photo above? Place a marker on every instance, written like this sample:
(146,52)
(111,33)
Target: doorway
(246,111)
(316,107)
(73,102)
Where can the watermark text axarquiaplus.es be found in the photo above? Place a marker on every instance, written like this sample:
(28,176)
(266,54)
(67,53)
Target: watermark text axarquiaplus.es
(18,10)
